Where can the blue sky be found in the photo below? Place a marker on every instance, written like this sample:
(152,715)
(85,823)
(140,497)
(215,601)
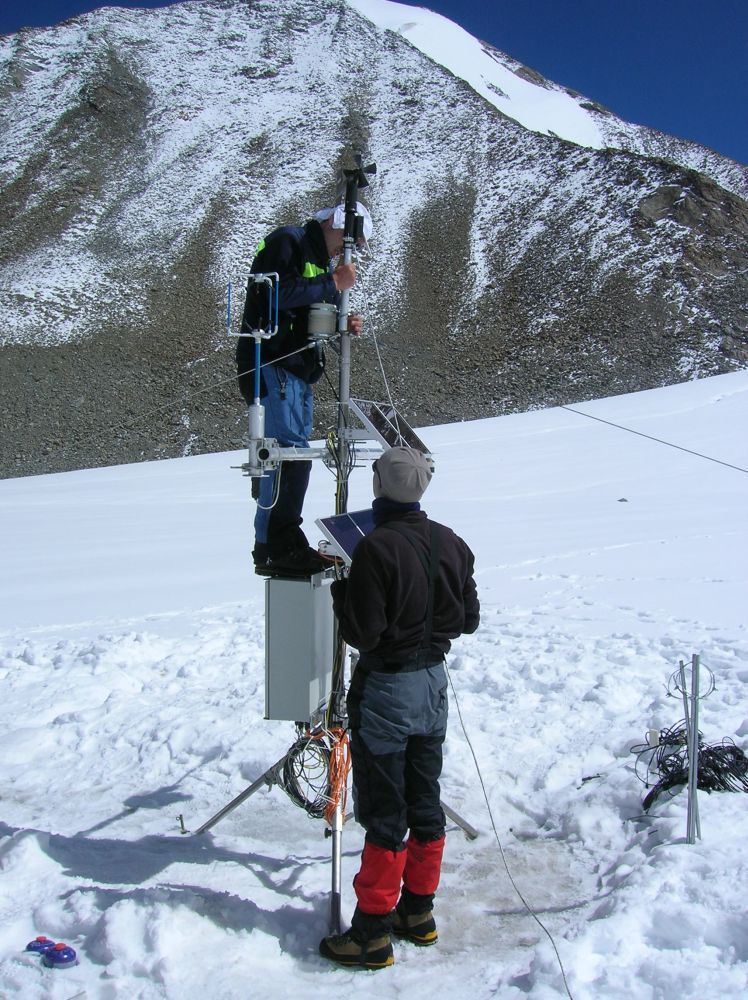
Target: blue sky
(678,65)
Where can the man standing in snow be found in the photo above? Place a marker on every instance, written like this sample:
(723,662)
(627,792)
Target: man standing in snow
(291,364)
(410,591)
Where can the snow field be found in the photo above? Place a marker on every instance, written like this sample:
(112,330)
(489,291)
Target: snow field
(131,656)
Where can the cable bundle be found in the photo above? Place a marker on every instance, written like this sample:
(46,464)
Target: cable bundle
(342,469)
(723,767)
(314,772)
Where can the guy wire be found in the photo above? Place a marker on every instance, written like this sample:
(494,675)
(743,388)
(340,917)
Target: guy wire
(650,437)
(130,422)
(364,289)
(135,419)
(526,905)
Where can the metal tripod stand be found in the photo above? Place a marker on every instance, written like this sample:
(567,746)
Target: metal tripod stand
(271,777)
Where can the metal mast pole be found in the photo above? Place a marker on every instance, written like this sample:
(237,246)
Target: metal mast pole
(691,715)
(694,824)
(341,506)
(354,179)
(352,184)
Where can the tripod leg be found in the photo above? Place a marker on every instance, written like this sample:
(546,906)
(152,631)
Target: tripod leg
(269,778)
(470,832)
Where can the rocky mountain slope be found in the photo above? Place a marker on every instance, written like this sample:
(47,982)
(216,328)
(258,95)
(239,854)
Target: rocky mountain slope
(144,154)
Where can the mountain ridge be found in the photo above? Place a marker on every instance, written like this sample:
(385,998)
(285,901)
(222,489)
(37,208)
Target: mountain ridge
(148,151)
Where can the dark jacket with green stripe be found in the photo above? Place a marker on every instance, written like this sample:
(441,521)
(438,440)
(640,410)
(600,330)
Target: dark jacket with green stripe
(299,255)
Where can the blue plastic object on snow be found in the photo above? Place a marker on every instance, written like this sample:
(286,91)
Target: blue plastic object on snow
(60,956)
(40,945)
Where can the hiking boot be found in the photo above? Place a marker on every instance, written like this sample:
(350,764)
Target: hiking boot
(351,950)
(418,928)
(296,564)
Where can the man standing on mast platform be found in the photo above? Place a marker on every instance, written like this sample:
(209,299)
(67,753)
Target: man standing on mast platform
(303,257)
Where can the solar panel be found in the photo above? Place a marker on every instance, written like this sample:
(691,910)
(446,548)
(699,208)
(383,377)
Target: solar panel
(389,427)
(345,531)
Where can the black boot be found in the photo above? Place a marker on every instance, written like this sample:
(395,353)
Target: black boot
(413,919)
(366,945)
(260,555)
(294,564)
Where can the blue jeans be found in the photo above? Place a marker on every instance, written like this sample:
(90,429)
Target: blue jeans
(288,417)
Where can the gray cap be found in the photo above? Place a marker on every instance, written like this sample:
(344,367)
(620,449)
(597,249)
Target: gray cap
(402,474)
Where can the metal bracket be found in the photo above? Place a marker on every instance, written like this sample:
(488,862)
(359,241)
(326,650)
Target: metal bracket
(265,455)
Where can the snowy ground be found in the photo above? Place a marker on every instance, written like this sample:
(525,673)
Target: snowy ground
(131,654)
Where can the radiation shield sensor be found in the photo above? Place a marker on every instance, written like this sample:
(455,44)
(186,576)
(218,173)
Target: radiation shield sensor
(265,290)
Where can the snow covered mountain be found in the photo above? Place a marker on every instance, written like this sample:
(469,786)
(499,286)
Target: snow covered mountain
(521,231)
(523,94)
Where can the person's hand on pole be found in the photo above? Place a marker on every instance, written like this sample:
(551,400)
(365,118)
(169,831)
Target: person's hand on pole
(355,324)
(344,276)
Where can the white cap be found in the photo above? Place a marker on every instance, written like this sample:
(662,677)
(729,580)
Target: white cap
(338,217)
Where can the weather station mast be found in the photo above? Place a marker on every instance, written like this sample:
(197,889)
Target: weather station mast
(304,652)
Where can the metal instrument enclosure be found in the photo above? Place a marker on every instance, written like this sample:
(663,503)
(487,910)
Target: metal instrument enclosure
(299,647)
